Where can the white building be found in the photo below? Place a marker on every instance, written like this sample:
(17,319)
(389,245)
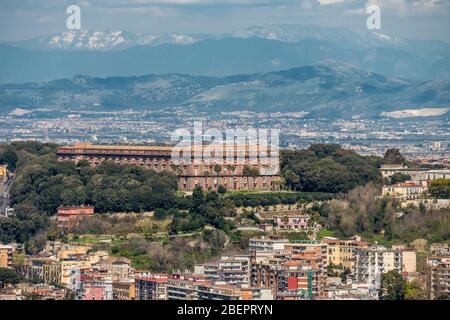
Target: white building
(267,244)
(372,262)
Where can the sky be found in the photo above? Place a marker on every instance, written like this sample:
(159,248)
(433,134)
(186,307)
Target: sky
(25,19)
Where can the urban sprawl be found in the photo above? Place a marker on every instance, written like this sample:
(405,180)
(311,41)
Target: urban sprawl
(273,263)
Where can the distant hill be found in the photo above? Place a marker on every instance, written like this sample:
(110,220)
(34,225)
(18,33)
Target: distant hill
(330,89)
(257,49)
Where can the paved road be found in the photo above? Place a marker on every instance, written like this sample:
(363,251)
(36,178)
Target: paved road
(4,197)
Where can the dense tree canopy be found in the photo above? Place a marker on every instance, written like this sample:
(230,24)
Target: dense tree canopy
(42,184)
(440,188)
(399,177)
(393,156)
(327,168)
(392,286)
(206,208)
(8,276)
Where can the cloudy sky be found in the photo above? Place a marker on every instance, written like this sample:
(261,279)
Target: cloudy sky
(24,19)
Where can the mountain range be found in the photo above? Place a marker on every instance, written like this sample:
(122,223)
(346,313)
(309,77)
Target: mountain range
(330,89)
(257,49)
(80,40)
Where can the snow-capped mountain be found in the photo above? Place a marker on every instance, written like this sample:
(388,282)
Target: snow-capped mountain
(102,40)
(112,40)
(295,33)
(257,49)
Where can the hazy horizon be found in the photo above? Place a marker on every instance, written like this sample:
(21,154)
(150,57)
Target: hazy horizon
(411,19)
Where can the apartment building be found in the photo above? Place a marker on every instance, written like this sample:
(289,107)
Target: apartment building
(291,222)
(342,252)
(272,268)
(264,274)
(440,249)
(300,284)
(70,217)
(96,289)
(209,269)
(373,261)
(51,272)
(68,266)
(234,269)
(152,287)
(440,276)
(312,253)
(117,268)
(208,291)
(70,252)
(124,290)
(354,291)
(268,244)
(251,293)
(183,286)
(6,256)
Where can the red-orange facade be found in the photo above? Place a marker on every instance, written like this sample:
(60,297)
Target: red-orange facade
(246,173)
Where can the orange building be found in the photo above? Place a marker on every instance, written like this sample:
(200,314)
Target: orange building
(246,172)
(6,256)
(69,217)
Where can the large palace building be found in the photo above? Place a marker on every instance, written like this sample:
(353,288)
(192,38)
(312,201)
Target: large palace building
(248,171)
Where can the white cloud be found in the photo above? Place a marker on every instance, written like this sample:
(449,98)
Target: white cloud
(327,2)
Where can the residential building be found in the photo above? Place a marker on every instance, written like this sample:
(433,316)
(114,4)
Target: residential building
(124,290)
(151,288)
(313,254)
(251,293)
(3,173)
(405,190)
(440,276)
(208,291)
(291,223)
(183,286)
(96,289)
(69,217)
(342,252)
(234,269)
(300,284)
(267,244)
(208,269)
(373,261)
(118,268)
(440,249)
(6,256)
(68,266)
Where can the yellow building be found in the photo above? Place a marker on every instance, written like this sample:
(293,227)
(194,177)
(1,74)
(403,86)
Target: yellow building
(68,266)
(118,268)
(51,272)
(70,252)
(408,190)
(124,290)
(409,260)
(6,256)
(342,252)
(3,173)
